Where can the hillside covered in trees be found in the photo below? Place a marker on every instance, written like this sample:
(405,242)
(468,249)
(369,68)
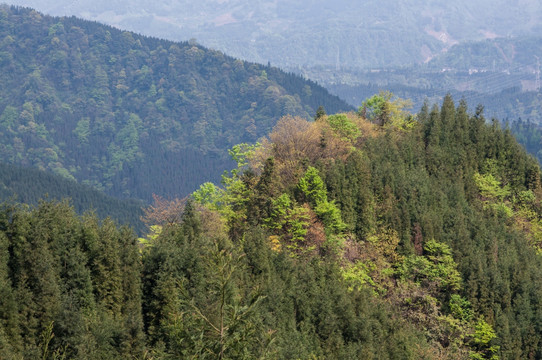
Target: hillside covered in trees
(370,235)
(30,185)
(133,115)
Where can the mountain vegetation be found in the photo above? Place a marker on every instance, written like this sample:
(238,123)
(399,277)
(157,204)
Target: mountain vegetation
(513,54)
(394,46)
(369,234)
(30,185)
(506,106)
(501,74)
(373,234)
(529,134)
(133,115)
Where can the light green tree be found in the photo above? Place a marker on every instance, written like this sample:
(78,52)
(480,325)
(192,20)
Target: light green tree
(386,109)
(313,188)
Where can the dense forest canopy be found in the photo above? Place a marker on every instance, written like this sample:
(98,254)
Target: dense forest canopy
(30,185)
(373,234)
(133,115)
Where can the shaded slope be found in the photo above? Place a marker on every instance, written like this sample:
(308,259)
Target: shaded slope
(28,186)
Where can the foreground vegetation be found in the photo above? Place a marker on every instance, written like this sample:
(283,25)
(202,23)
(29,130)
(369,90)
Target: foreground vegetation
(360,235)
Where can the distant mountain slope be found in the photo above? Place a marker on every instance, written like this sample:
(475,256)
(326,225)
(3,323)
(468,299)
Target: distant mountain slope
(129,114)
(499,73)
(295,32)
(512,54)
(31,185)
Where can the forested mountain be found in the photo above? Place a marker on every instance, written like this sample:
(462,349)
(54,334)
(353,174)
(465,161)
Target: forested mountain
(512,54)
(374,234)
(350,48)
(296,33)
(370,235)
(129,114)
(485,67)
(30,185)
(529,134)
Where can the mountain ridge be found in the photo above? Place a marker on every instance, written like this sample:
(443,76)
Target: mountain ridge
(94,103)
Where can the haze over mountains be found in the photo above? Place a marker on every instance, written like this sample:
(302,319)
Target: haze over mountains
(291,33)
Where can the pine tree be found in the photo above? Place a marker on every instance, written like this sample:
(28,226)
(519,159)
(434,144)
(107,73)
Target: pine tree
(320,113)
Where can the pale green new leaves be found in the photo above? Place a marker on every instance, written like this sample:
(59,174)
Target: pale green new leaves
(386,109)
(483,335)
(312,186)
(344,127)
(490,187)
(436,267)
(241,154)
(234,190)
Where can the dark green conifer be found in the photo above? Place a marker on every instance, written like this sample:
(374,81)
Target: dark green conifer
(320,113)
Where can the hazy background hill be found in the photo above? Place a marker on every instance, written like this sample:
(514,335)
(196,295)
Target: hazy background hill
(299,33)
(499,73)
(133,115)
